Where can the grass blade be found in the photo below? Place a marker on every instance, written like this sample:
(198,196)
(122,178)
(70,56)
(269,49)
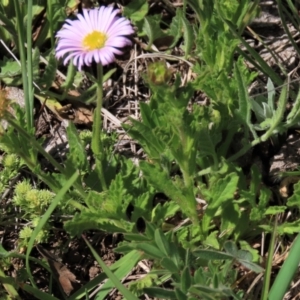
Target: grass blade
(114,279)
(286,274)
(126,263)
(267,277)
(37,293)
(45,218)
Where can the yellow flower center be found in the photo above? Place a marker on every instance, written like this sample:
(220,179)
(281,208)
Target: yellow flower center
(94,40)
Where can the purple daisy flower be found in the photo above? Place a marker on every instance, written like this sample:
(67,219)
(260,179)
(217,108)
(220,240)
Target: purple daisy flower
(97,35)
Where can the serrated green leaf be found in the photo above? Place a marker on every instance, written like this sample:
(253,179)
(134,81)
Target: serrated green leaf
(212,240)
(223,190)
(281,107)
(294,200)
(162,182)
(158,177)
(77,158)
(146,137)
(294,114)
(81,222)
(95,199)
(289,227)
(117,192)
(175,27)
(256,214)
(152,29)
(142,207)
(147,115)
(206,143)
(273,210)
(94,221)
(49,74)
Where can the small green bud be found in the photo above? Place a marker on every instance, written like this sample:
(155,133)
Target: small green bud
(45,197)
(85,136)
(25,233)
(33,199)
(11,161)
(22,188)
(158,73)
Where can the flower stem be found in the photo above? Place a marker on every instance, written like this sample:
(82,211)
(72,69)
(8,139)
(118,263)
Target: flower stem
(97,145)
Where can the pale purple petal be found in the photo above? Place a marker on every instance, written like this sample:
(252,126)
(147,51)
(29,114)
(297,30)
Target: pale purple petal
(80,61)
(120,23)
(94,18)
(119,31)
(87,18)
(99,15)
(108,19)
(115,50)
(119,41)
(106,14)
(97,57)
(105,58)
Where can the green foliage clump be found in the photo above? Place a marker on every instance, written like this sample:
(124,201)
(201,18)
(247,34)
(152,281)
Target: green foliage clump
(33,202)
(27,231)
(11,162)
